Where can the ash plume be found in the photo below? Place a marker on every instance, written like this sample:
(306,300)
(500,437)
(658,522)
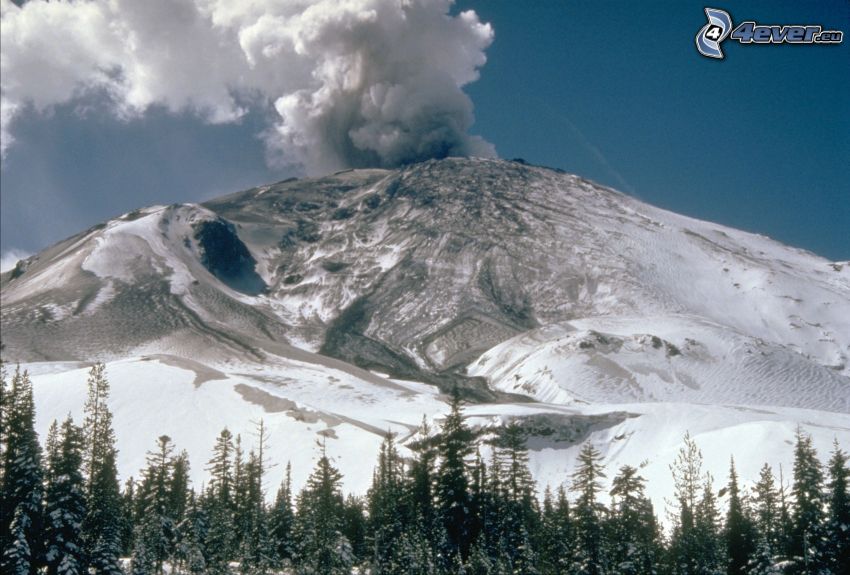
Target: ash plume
(345,83)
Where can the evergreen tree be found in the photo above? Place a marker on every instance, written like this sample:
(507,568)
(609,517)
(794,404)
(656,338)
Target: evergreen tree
(808,521)
(354,525)
(452,490)
(189,557)
(218,541)
(838,522)
(588,553)
(178,488)
(556,534)
(386,514)
(766,509)
(710,556)
(519,519)
(322,547)
(763,562)
(257,553)
(221,469)
(685,552)
(65,502)
(154,535)
(101,529)
(419,499)
(635,539)
(5,408)
(740,543)
(22,482)
(282,519)
(128,513)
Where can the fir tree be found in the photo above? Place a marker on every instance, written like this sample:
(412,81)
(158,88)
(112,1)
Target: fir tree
(354,524)
(65,503)
(635,545)
(221,469)
(257,553)
(685,552)
(155,532)
(452,492)
(282,518)
(766,508)
(710,555)
(556,534)
(808,525)
(218,543)
(128,513)
(189,556)
(519,513)
(419,495)
(588,554)
(385,504)
(101,529)
(739,532)
(5,407)
(762,561)
(838,522)
(322,547)
(22,482)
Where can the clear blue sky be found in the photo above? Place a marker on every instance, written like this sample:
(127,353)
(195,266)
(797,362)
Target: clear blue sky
(614,91)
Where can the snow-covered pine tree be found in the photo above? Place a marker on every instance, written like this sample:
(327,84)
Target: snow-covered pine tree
(421,477)
(385,501)
(739,532)
(354,524)
(128,514)
(765,503)
(838,521)
(101,529)
(65,505)
(763,562)
(710,558)
(217,543)
(808,517)
(785,526)
(189,556)
(555,536)
(220,468)
(4,417)
(22,483)
(154,535)
(322,547)
(519,512)
(687,475)
(282,518)
(257,555)
(635,539)
(588,552)
(452,486)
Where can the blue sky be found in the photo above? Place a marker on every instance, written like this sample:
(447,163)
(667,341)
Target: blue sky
(614,91)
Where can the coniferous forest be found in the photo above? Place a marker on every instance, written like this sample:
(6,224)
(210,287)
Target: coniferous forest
(447,509)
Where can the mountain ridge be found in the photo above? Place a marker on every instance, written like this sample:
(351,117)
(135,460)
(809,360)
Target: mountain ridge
(343,307)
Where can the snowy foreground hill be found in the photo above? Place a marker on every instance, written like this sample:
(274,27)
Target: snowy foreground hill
(345,306)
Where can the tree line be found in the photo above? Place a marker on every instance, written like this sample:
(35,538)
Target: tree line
(446,509)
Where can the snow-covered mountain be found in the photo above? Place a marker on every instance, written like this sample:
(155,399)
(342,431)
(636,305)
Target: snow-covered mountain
(342,306)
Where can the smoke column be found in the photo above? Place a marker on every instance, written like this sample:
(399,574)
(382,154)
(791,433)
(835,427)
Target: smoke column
(345,83)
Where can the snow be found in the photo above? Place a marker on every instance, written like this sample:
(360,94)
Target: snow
(306,404)
(628,324)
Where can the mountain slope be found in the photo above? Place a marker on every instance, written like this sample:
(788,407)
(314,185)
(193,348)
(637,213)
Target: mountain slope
(415,272)
(340,307)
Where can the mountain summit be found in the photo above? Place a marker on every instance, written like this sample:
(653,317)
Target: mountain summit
(516,283)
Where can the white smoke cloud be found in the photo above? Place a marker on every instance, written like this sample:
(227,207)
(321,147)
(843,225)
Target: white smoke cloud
(348,83)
